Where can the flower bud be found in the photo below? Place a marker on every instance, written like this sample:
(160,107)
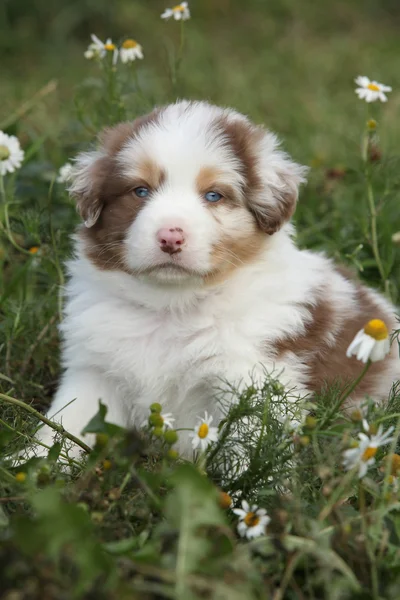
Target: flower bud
(156,420)
(171,437)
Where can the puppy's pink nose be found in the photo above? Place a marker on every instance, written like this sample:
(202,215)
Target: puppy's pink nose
(171,239)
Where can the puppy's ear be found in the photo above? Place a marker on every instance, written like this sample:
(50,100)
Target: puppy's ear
(93,171)
(87,179)
(275,201)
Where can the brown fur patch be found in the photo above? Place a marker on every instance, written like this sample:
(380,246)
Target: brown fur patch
(234,252)
(271,206)
(148,171)
(111,191)
(208,179)
(326,364)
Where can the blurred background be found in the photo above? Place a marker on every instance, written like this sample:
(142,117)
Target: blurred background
(287,63)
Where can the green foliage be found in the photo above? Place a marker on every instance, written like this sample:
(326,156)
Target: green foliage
(134,520)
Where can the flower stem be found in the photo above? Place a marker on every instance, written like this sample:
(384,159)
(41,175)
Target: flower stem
(56,426)
(372,211)
(355,383)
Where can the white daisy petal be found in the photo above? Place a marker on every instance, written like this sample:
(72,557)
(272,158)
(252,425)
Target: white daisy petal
(11,153)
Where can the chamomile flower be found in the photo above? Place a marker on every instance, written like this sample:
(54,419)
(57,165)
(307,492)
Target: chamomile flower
(371,343)
(370,91)
(252,520)
(363,455)
(203,435)
(11,154)
(99,49)
(64,173)
(130,51)
(180,12)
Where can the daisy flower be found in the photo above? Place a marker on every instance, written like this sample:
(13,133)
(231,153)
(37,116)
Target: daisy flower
(99,49)
(64,173)
(363,455)
(180,12)
(252,521)
(11,154)
(370,91)
(130,51)
(371,343)
(203,434)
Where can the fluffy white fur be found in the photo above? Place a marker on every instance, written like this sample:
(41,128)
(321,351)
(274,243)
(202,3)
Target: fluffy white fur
(162,335)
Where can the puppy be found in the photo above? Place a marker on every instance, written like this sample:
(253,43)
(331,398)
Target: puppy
(185,274)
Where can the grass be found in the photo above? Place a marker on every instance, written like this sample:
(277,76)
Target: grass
(132,520)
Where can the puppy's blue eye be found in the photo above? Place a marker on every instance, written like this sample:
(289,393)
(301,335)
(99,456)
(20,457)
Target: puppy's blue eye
(142,192)
(212,196)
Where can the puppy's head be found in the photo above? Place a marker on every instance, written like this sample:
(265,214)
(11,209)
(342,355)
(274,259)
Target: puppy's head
(190,191)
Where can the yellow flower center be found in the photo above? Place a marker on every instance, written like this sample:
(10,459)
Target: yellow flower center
(251,519)
(34,250)
(225,500)
(20,477)
(178,8)
(129,44)
(203,431)
(376,329)
(110,47)
(373,87)
(368,453)
(371,124)
(4,152)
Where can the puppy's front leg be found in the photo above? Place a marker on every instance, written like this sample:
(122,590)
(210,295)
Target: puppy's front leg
(77,401)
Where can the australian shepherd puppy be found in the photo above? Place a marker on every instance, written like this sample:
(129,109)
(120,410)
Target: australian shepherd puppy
(185,274)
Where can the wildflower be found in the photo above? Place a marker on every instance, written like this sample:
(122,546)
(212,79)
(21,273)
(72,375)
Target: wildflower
(107,464)
(371,124)
(203,434)
(371,90)
(155,407)
(20,477)
(33,250)
(396,237)
(371,343)
(99,49)
(225,501)
(64,173)
(363,455)
(11,154)
(180,12)
(252,521)
(130,51)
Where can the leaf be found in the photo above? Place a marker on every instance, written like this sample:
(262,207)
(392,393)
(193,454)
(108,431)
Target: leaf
(57,525)
(191,507)
(54,452)
(98,423)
